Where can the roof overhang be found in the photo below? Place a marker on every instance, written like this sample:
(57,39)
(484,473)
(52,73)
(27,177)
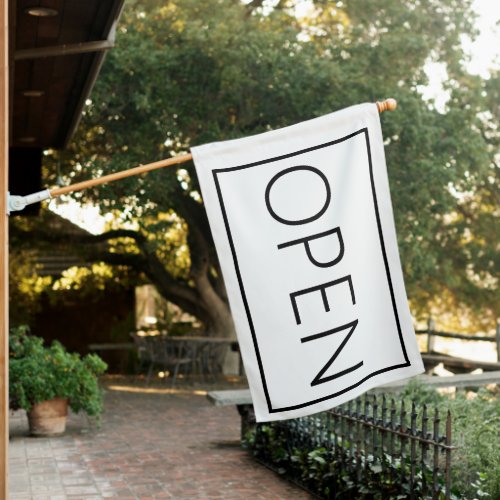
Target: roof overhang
(57,48)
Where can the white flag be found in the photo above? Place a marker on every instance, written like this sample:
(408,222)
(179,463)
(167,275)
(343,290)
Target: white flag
(304,229)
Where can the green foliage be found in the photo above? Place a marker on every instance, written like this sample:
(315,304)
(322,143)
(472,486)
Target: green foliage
(333,473)
(189,72)
(476,434)
(38,373)
(421,394)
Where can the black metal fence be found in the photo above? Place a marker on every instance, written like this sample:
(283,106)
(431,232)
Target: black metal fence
(368,445)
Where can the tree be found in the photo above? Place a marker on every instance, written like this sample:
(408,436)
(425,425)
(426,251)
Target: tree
(187,72)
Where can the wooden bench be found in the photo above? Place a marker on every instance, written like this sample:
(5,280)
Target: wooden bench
(242,399)
(230,397)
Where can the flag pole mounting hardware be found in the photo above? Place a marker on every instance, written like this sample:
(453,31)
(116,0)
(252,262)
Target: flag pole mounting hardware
(16,203)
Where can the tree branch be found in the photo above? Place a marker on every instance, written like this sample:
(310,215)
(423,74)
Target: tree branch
(118,233)
(135,261)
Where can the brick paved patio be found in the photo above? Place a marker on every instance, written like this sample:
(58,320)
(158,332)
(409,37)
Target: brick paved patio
(150,445)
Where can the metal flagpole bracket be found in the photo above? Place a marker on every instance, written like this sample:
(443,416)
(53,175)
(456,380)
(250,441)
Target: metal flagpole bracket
(16,203)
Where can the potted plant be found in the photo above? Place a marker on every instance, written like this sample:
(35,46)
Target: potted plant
(45,380)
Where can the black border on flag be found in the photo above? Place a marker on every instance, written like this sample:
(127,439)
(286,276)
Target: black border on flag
(219,171)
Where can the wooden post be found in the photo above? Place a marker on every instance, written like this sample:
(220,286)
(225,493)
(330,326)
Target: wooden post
(4,248)
(498,341)
(431,326)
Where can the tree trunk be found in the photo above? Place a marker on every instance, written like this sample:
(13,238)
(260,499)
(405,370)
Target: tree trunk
(221,322)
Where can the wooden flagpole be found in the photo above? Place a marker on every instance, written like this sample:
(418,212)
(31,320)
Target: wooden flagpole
(121,175)
(387,105)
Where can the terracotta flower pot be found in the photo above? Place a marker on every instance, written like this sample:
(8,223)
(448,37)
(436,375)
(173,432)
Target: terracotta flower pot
(48,417)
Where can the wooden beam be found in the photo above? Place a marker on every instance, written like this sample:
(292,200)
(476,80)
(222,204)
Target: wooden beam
(461,336)
(4,248)
(63,50)
(459,363)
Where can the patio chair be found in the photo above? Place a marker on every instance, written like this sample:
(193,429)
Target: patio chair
(143,350)
(213,359)
(174,356)
(159,352)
